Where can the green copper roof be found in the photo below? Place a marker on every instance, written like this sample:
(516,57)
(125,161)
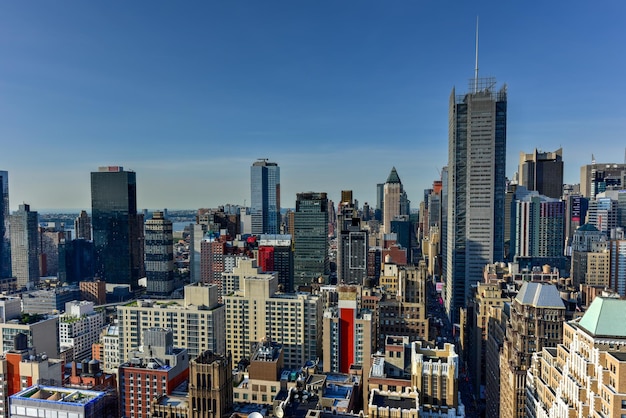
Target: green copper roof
(587,227)
(393,177)
(605,317)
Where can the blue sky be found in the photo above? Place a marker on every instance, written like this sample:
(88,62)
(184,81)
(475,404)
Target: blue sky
(189,94)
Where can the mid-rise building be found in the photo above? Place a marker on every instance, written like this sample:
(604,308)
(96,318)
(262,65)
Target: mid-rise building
(257,311)
(80,327)
(25,247)
(159,255)
(310,238)
(42,332)
(210,385)
(51,301)
(117,228)
(536,321)
(475,188)
(585,374)
(197,321)
(154,369)
(265,197)
(56,401)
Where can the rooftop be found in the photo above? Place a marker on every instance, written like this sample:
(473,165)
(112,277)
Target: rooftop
(393,177)
(605,317)
(58,395)
(540,295)
(393,400)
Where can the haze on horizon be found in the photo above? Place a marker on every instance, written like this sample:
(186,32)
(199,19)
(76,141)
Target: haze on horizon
(337,93)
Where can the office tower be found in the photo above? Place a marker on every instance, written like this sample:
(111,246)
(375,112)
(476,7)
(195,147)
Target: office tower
(348,332)
(25,247)
(537,316)
(542,172)
(276,254)
(603,212)
(82,226)
(198,321)
(157,368)
(257,311)
(476,186)
(210,385)
(585,375)
(51,237)
(265,197)
(598,177)
(352,244)
(617,271)
(380,202)
(76,260)
(79,328)
(117,228)
(310,238)
(575,213)
(537,226)
(583,243)
(395,201)
(5,242)
(159,253)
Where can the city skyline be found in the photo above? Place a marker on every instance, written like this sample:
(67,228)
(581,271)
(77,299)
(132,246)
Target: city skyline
(189,96)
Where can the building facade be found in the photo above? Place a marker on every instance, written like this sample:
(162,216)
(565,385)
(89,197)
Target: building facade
(276,254)
(210,385)
(475,188)
(310,238)
(159,255)
(542,172)
(265,197)
(117,228)
(25,247)
(80,327)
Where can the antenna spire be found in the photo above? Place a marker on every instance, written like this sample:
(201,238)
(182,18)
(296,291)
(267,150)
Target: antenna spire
(476,67)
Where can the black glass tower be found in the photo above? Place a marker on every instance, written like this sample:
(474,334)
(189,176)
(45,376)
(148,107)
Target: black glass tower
(5,244)
(116,226)
(310,238)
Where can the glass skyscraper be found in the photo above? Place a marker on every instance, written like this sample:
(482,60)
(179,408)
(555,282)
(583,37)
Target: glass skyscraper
(476,186)
(310,238)
(265,197)
(117,229)
(5,245)
(25,247)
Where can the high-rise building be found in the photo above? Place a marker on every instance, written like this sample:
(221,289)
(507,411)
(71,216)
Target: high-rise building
(603,212)
(82,226)
(25,247)
(159,253)
(80,327)
(5,242)
(598,177)
(475,188)
(257,311)
(117,228)
(76,260)
(352,244)
(542,172)
(617,270)
(51,237)
(265,197)
(276,254)
(395,202)
(310,238)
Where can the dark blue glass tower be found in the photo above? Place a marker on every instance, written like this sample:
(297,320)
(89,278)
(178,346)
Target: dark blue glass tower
(265,197)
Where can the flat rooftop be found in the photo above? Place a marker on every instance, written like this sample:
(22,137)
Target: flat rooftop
(402,402)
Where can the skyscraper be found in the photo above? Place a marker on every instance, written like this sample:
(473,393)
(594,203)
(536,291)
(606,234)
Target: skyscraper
(82,226)
(265,197)
(543,172)
(117,228)
(395,202)
(159,255)
(476,185)
(310,238)
(5,244)
(25,247)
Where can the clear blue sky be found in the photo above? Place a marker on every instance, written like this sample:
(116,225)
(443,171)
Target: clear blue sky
(189,94)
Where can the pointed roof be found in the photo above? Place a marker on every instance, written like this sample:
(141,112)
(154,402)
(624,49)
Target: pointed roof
(605,317)
(540,295)
(393,177)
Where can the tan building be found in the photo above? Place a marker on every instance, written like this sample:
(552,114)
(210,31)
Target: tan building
(585,375)
(210,385)
(498,317)
(598,267)
(197,321)
(261,382)
(536,321)
(258,311)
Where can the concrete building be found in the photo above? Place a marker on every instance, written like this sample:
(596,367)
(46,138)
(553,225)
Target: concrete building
(108,348)
(598,177)
(352,248)
(475,189)
(51,301)
(53,401)
(257,311)
(197,321)
(42,332)
(261,381)
(395,201)
(154,369)
(82,226)
(80,327)
(25,247)
(159,255)
(536,321)
(51,237)
(585,374)
(603,212)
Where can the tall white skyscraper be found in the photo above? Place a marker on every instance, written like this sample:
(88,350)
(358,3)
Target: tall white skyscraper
(476,186)
(265,197)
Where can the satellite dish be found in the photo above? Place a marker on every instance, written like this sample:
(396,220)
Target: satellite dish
(255,414)
(278,411)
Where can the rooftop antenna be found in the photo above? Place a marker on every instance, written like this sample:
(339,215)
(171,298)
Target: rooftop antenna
(476,67)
